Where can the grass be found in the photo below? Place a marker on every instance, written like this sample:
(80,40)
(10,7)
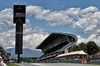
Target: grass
(10,64)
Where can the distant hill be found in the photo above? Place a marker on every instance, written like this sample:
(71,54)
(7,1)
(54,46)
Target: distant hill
(26,53)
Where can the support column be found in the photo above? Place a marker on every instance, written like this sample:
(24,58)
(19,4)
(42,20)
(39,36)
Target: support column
(18,58)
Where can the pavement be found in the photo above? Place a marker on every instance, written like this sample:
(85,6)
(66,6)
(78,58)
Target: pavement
(54,64)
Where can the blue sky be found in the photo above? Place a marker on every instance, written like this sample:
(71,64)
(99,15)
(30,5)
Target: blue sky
(74,16)
(51,4)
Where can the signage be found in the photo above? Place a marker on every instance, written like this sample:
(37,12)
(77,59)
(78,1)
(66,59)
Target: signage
(19,14)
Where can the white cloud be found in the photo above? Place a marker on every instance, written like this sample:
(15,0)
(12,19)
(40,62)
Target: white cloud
(33,38)
(55,18)
(30,40)
(37,11)
(86,19)
(92,37)
(89,9)
(6,18)
(75,17)
(63,17)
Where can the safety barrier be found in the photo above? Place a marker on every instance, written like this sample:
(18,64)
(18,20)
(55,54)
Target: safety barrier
(65,61)
(72,61)
(95,61)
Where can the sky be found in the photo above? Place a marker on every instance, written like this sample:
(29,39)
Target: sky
(78,17)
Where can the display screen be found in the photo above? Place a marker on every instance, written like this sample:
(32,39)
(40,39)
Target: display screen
(19,14)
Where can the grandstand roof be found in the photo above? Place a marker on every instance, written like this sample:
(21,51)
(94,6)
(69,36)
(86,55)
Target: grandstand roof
(51,37)
(73,53)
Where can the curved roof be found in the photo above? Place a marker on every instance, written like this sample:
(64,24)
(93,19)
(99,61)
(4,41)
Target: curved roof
(51,37)
(73,53)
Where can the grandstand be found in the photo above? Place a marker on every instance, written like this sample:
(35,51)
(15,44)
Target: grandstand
(55,44)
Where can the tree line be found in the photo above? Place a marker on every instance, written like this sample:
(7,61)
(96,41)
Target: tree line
(90,47)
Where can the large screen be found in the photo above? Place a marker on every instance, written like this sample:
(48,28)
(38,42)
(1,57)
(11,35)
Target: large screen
(19,14)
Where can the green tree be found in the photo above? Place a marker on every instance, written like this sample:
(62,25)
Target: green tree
(26,60)
(83,47)
(92,47)
(75,48)
(69,49)
(99,48)
(13,59)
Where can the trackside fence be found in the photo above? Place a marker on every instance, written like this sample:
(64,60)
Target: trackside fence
(95,61)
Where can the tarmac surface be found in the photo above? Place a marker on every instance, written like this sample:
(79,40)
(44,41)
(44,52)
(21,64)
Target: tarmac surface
(54,64)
